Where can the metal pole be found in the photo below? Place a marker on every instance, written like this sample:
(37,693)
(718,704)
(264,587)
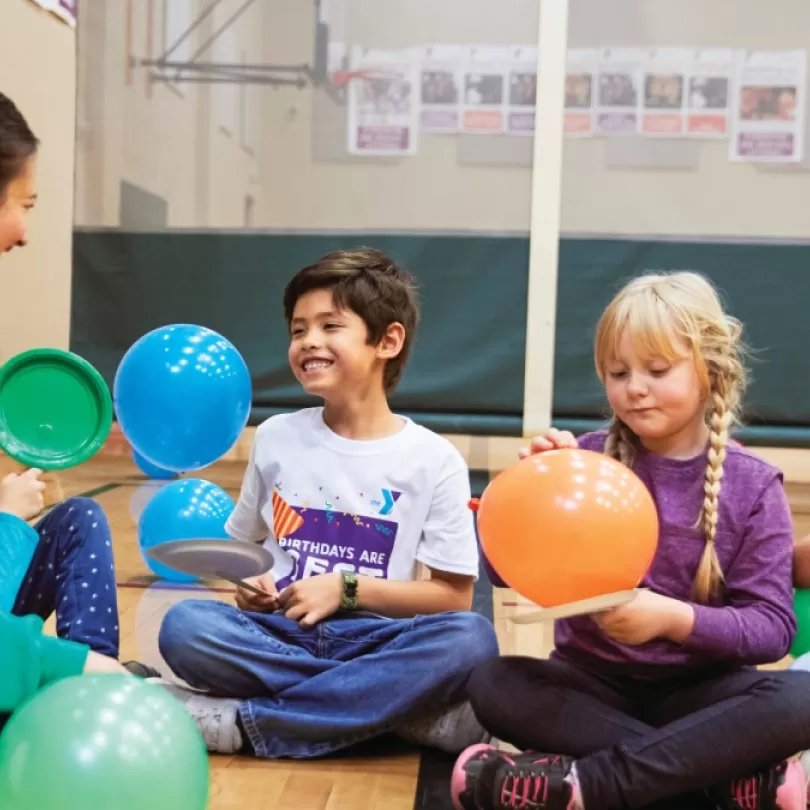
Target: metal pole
(538,396)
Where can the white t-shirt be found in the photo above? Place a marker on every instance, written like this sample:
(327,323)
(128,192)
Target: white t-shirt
(323,503)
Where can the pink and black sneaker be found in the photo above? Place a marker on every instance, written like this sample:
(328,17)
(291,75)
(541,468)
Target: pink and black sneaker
(485,778)
(780,787)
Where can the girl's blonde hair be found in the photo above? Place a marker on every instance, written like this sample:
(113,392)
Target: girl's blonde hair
(659,312)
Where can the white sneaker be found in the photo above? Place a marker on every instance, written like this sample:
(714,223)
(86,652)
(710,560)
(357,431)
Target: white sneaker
(451,730)
(215,716)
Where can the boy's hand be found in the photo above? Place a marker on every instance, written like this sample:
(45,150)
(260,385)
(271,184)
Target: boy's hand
(21,494)
(649,615)
(252,602)
(553,440)
(311,600)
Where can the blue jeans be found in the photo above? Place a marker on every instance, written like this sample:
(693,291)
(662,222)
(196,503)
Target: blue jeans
(72,573)
(309,692)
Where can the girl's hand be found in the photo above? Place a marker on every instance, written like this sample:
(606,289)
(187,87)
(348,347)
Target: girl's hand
(96,663)
(313,599)
(21,494)
(648,616)
(553,440)
(252,602)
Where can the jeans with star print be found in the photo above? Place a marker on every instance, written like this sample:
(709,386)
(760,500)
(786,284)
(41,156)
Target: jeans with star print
(72,574)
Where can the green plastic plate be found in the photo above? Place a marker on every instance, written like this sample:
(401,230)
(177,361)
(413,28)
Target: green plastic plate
(55,409)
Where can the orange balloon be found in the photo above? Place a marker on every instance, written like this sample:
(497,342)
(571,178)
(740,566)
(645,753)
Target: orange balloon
(567,525)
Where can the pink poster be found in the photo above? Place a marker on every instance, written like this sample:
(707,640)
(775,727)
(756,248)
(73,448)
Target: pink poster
(663,94)
(484,102)
(710,89)
(579,91)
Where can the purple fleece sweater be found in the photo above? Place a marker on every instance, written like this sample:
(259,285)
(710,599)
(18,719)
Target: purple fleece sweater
(754,622)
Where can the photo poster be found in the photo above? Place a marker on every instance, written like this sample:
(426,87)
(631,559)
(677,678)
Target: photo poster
(768,123)
(441,88)
(486,71)
(619,90)
(663,85)
(522,89)
(383,108)
(65,10)
(580,73)
(708,97)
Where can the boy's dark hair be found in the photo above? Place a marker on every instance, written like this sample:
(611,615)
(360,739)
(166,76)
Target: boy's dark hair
(17,142)
(370,284)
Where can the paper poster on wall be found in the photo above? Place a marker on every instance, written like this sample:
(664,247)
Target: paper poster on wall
(619,90)
(664,85)
(579,84)
(384,106)
(768,123)
(708,97)
(64,9)
(485,76)
(522,99)
(441,88)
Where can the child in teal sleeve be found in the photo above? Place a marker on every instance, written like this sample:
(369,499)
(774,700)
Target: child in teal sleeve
(64,564)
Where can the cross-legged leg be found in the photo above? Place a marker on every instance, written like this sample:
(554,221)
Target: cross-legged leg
(72,573)
(554,707)
(308,692)
(727,725)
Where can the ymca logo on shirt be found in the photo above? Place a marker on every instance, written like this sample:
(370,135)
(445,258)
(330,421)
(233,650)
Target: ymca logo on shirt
(322,540)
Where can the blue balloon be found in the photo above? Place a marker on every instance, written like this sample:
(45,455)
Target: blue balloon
(182,396)
(151,470)
(188,509)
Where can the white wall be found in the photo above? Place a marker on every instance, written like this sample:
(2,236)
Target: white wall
(174,145)
(428,191)
(177,141)
(37,63)
(432,191)
(721,198)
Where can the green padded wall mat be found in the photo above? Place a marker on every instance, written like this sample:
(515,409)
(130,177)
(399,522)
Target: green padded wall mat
(466,372)
(466,369)
(767,286)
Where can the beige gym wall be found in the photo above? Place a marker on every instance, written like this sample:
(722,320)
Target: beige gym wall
(435,190)
(190,146)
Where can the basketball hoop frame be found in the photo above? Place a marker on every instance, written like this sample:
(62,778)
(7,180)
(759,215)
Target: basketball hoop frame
(170,71)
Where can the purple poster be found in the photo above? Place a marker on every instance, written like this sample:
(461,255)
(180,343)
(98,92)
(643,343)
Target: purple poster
(66,10)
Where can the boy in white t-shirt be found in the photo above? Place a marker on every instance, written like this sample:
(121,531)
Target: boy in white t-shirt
(346,644)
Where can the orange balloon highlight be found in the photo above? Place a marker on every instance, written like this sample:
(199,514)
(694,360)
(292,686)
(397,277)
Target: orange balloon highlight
(567,525)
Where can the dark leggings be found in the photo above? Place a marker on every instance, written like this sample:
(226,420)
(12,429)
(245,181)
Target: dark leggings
(640,744)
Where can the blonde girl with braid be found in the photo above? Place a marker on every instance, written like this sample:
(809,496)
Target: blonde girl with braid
(658,702)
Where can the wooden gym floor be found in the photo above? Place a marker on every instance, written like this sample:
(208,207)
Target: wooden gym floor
(381,778)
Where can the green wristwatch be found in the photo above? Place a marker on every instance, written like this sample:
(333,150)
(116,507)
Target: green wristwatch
(348,596)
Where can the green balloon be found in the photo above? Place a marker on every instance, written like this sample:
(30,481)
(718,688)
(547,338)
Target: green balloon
(801,606)
(111,742)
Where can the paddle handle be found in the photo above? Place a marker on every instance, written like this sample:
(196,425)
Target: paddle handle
(594,605)
(242,584)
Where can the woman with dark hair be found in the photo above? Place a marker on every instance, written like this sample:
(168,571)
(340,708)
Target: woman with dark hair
(64,564)
(18,148)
